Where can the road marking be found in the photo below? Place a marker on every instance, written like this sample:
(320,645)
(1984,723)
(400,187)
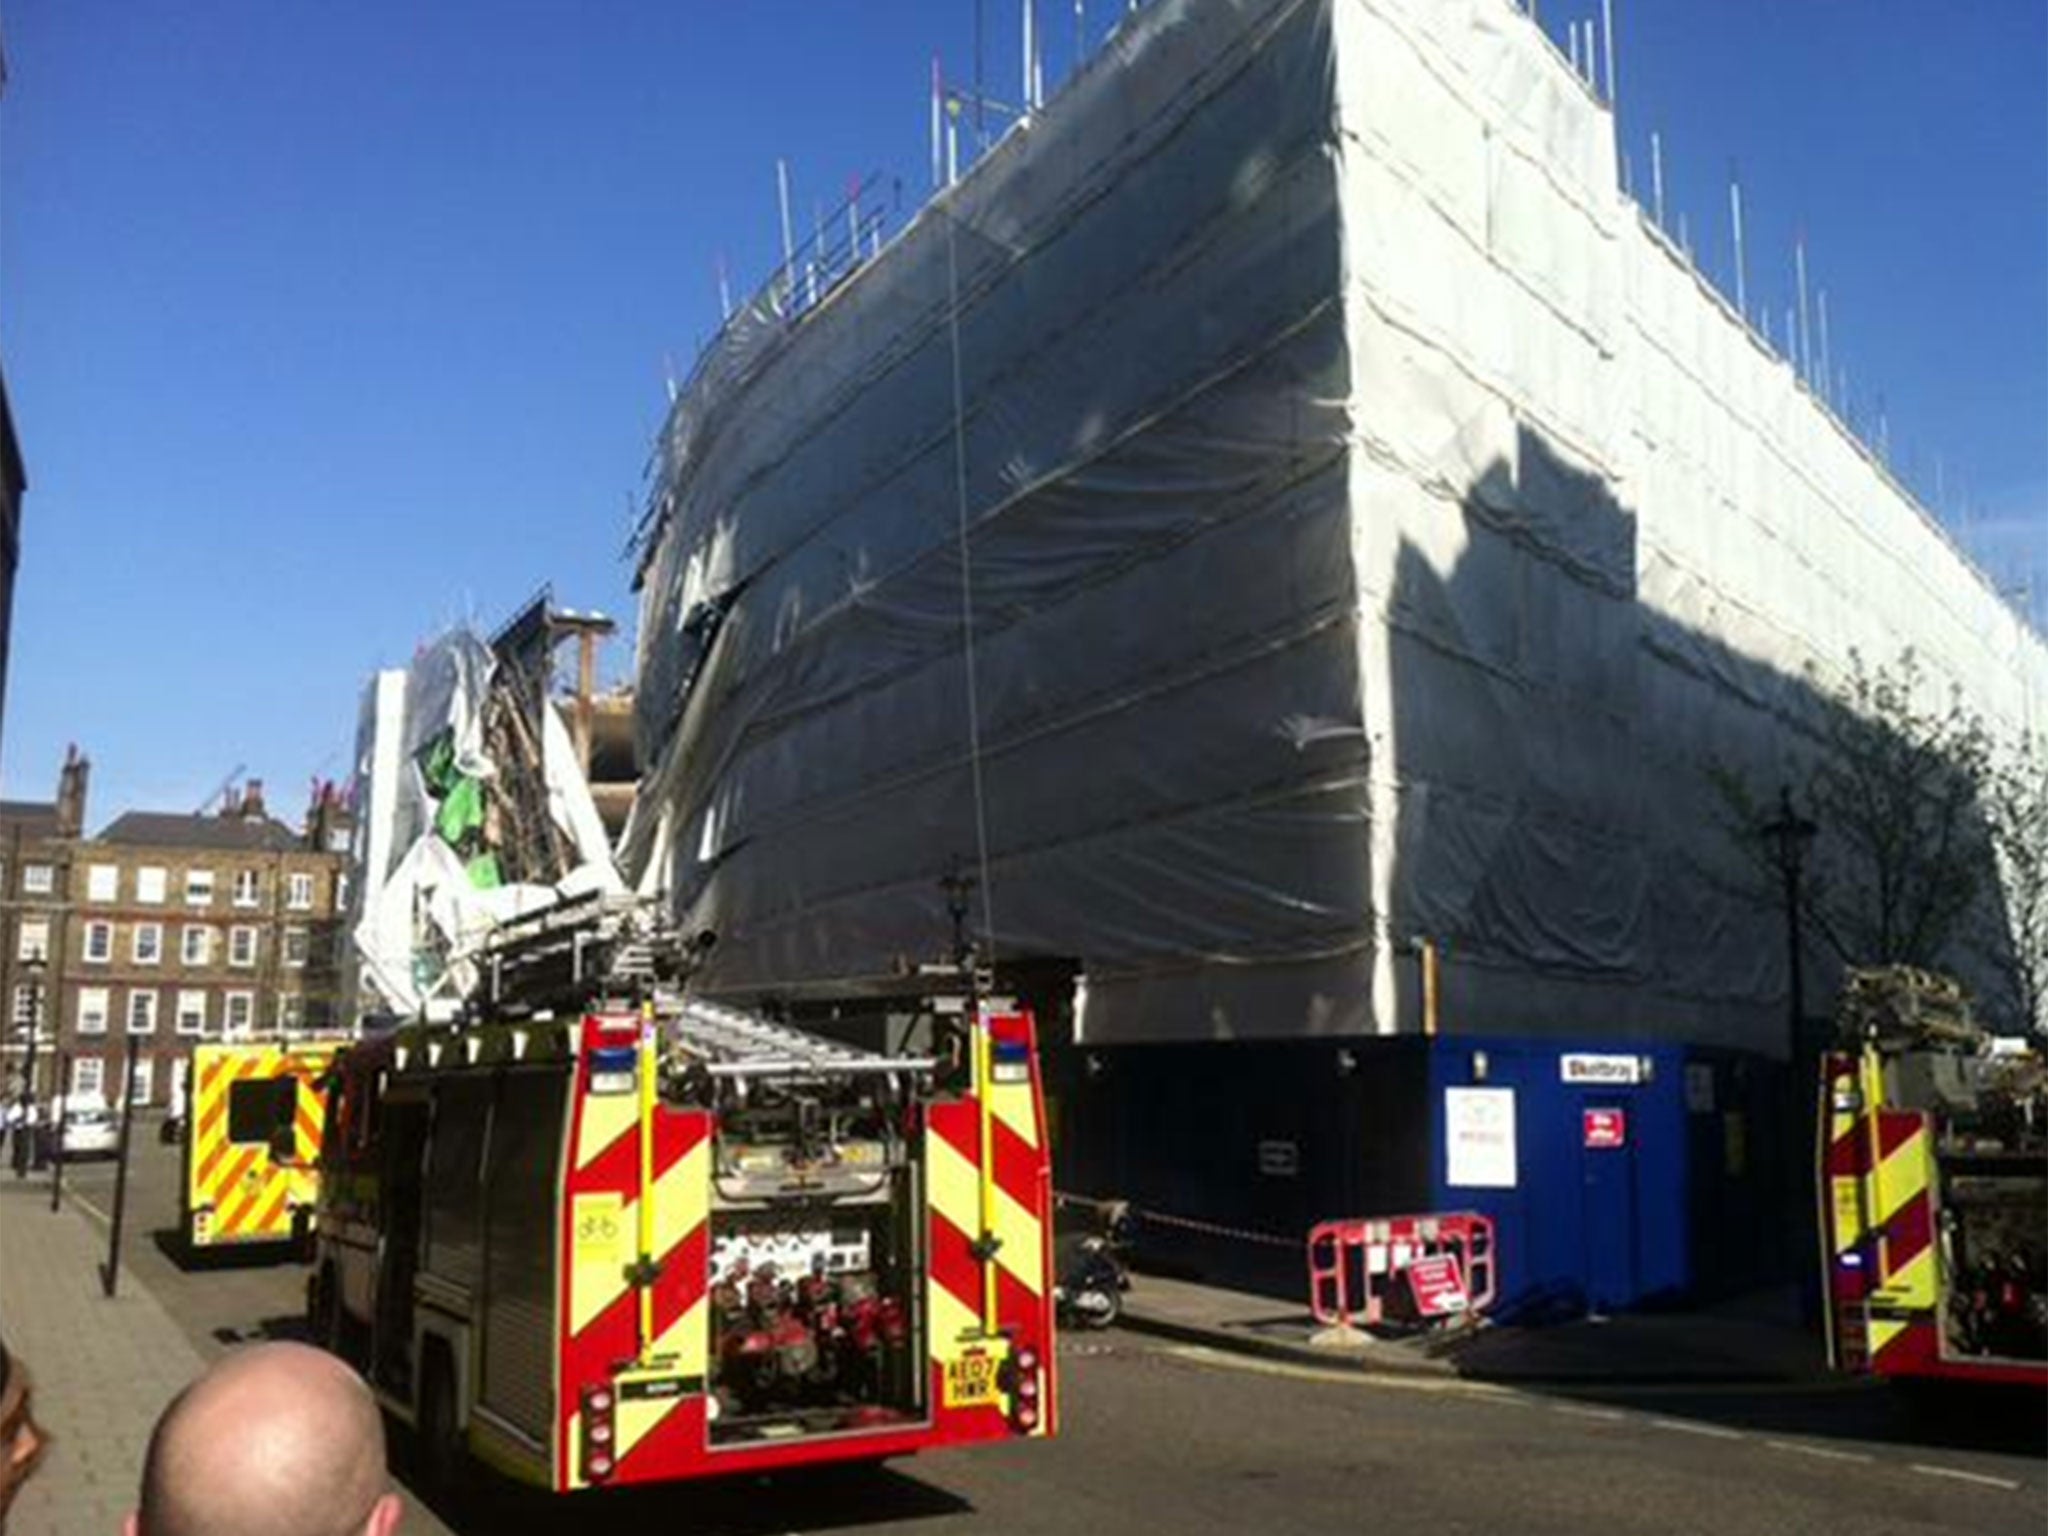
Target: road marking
(89,1208)
(1711,1431)
(1825,1453)
(1607,1414)
(1968,1477)
(1201,1355)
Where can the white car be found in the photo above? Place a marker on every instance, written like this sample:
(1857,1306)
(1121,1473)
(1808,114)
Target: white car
(91,1129)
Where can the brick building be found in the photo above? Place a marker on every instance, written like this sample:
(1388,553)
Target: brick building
(38,840)
(188,927)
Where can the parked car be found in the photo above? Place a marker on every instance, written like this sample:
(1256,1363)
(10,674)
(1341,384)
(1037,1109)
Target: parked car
(91,1129)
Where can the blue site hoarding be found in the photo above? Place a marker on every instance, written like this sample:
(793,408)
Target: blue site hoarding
(1619,1174)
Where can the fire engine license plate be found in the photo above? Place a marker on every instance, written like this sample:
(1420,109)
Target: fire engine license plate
(971,1380)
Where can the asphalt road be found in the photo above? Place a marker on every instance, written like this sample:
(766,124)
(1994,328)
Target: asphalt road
(1161,1436)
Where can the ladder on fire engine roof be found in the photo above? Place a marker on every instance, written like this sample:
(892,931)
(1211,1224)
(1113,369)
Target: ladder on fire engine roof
(741,1045)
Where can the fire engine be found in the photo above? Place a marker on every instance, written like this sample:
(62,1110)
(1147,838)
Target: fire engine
(256,1119)
(1934,1188)
(606,1233)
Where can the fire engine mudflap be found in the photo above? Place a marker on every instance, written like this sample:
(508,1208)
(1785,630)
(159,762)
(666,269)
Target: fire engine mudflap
(778,1250)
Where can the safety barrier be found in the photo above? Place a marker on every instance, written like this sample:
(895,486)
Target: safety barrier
(1356,1267)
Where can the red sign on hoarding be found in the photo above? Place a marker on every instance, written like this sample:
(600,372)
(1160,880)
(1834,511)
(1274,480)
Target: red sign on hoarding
(1437,1286)
(1606,1127)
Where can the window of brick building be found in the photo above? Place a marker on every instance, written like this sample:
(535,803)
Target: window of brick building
(34,939)
(240,1015)
(242,947)
(149,884)
(88,1077)
(299,893)
(38,879)
(198,887)
(195,945)
(248,888)
(295,946)
(99,942)
(103,883)
(149,943)
(141,1012)
(26,1007)
(92,1010)
(291,1010)
(144,1081)
(191,1013)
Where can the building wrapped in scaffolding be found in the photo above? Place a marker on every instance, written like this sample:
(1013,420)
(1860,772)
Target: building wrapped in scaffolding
(1369,528)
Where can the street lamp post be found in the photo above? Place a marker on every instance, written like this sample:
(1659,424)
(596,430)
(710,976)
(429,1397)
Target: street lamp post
(24,1137)
(1789,834)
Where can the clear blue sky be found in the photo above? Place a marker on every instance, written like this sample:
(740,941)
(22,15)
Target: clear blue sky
(327,324)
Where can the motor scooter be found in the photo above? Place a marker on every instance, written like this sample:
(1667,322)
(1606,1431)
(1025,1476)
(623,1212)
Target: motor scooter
(1089,1273)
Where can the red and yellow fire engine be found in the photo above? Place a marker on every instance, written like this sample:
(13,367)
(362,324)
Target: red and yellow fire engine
(1934,1189)
(645,1241)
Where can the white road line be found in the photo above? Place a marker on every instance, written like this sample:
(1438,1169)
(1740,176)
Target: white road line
(1262,1366)
(1591,1413)
(1826,1453)
(1968,1477)
(89,1208)
(1711,1431)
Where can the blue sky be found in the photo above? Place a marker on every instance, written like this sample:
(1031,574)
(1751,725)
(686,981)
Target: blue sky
(326,324)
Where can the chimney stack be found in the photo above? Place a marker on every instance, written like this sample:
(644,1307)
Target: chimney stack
(252,800)
(72,781)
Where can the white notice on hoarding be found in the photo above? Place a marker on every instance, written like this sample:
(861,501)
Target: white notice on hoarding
(1479,1138)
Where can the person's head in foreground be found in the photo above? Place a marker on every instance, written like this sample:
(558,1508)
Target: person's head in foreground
(276,1440)
(21,1439)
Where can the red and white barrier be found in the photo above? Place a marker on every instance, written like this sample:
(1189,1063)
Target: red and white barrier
(1439,1266)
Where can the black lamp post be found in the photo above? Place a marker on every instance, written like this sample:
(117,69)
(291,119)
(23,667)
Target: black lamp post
(25,1136)
(1789,833)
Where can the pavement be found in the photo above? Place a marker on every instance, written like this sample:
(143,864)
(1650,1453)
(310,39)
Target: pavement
(102,1369)
(1755,1339)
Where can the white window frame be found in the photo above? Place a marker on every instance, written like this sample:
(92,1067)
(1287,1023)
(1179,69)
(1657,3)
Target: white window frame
(151,881)
(32,939)
(204,949)
(190,1000)
(248,888)
(38,879)
(291,1011)
(155,931)
(26,1007)
(89,1076)
(246,962)
(244,1004)
(95,1006)
(301,940)
(198,887)
(142,995)
(143,1083)
(104,932)
(103,882)
(299,891)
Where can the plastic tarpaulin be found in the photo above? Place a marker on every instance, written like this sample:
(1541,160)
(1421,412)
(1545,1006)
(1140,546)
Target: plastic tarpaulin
(429,889)
(1370,527)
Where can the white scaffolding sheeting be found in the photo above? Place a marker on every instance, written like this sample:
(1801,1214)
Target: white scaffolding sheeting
(1376,529)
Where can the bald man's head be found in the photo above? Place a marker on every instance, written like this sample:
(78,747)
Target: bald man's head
(276,1440)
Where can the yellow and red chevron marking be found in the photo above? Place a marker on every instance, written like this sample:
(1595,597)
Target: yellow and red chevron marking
(1019,1221)
(244,1194)
(658,1435)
